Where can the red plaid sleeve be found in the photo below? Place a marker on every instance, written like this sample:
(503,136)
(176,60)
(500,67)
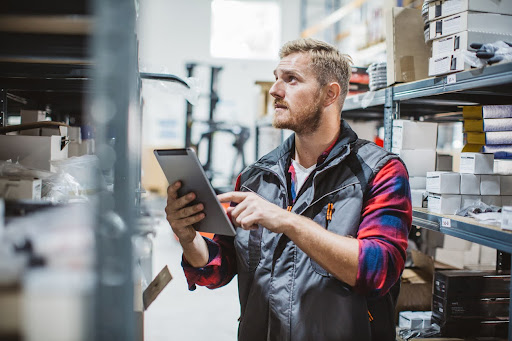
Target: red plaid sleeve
(384,229)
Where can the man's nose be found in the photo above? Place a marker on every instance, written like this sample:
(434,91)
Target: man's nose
(276,90)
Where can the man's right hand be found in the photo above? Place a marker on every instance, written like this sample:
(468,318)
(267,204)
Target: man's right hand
(180,216)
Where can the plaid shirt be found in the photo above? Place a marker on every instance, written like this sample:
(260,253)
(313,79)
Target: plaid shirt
(382,235)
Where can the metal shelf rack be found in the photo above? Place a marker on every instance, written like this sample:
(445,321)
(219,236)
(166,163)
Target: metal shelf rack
(440,99)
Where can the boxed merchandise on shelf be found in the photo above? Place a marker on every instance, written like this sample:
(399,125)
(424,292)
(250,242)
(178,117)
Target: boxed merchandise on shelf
(459,258)
(443,64)
(444,203)
(414,319)
(489,138)
(444,8)
(461,41)
(20,188)
(444,162)
(490,184)
(33,151)
(418,182)
(405,135)
(479,112)
(418,161)
(477,163)
(470,200)
(501,151)
(505,184)
(419,197)
(469,184)
(492,200)
(488,124)
(473,21)
(443,182)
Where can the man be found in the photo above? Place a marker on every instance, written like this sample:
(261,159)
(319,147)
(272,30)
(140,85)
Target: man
(323,219)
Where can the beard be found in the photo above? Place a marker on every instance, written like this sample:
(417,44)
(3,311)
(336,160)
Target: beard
(303,121)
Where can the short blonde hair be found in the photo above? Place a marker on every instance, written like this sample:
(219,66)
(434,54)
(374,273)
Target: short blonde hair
(328,63)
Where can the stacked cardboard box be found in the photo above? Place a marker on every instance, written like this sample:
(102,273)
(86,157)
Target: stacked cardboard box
(419,155)
(454,24)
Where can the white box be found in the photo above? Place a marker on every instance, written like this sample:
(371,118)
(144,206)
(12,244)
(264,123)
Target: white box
(477,163)
(444,8)
(444,162)
(505,184)
(33,151)
(490,184)
(418,197)
(472,21)
(460,41)
(448,63)
(487,256)
(444,203)
(443,182)
(493,200)
(20,188)
(418,182)
(469,184)
(469,200)
(411,319)
(454,243)
(503,166)
(506,200)
(75,134)
(405,135)
(459,259)
(419,161)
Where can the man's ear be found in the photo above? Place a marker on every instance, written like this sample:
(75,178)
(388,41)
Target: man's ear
(332,93)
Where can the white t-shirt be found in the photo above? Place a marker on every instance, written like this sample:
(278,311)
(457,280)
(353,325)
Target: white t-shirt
(301,173)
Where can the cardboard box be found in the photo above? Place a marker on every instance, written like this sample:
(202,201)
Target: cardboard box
(419,161)
(444,8)
(472,21)
(419,197)
(469,200)
(405,135)
(506,200)
(443,182)
(493,200)
(444,203)
(444,162)
(469,184)
(503,166)
(407,52)
(33,151)
(448,63)
(31,116)
(454,243)
(418,182)
(20,188)
(505,184)
(477,163)
(459,258)
(10,311)
(414,319)
(460,41)
(489,184)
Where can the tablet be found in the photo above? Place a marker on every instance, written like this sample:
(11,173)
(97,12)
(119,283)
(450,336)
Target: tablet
(183,165)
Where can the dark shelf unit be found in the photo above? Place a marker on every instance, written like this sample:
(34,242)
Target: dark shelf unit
(440,99)
(93,74)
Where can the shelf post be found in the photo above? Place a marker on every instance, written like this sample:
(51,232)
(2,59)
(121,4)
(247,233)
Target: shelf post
(3,106)
(113,107)
(391,110)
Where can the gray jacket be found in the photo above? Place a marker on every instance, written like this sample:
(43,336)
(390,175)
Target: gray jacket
(284,294)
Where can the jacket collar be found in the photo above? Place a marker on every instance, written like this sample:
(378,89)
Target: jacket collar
(281,154)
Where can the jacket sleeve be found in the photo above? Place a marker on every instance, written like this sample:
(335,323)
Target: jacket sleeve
(221,266)
(384,230)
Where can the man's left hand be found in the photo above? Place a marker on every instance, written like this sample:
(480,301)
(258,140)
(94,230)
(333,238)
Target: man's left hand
(252,210)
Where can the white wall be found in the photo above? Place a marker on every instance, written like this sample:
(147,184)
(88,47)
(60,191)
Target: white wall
(175,32)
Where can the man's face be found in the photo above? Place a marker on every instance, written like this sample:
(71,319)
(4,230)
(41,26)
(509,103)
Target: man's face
(297,95)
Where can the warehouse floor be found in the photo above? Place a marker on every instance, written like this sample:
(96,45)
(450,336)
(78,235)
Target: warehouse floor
(180,314)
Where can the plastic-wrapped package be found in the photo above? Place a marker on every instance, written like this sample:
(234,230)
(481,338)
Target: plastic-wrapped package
(84,170)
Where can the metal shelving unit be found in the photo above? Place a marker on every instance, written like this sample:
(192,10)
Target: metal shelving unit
(91,73)
(464,228)
(440,99)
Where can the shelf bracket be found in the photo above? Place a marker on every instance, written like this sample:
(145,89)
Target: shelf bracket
(389,115)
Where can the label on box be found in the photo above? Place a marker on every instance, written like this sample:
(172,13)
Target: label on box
(448,25)
(467,163)
(445,8)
